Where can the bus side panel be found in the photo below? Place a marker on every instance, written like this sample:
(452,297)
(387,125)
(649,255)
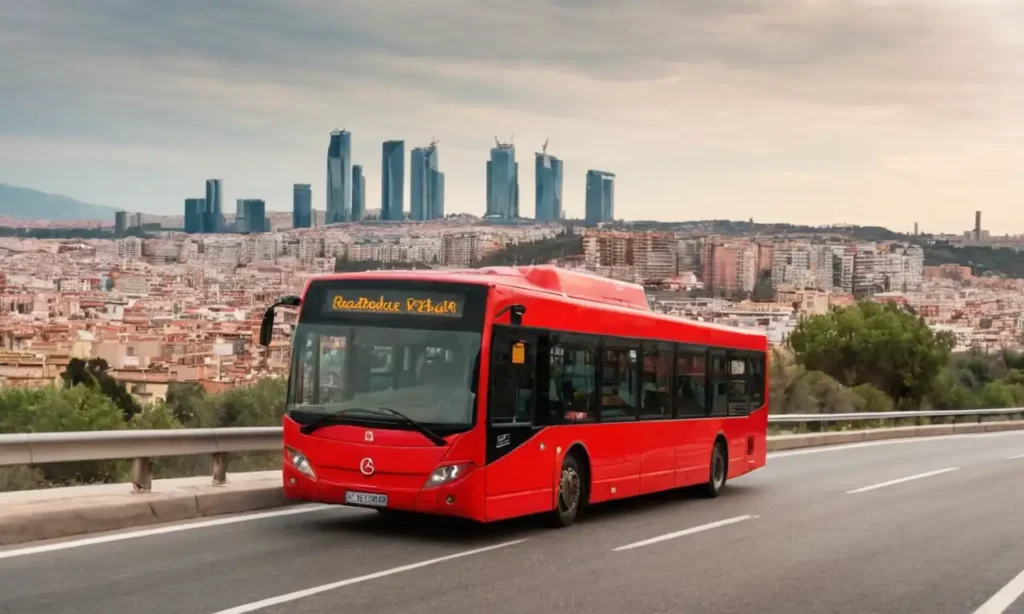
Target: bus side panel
(513,481)
(656,446)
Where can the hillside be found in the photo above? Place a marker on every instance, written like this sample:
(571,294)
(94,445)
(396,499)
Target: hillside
(982,260)
(28,204)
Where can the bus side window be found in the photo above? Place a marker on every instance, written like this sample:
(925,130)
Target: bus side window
(655,384)
(691,395)
(756,362)
(739,384)
(719,383)
(513,381)
(572,382)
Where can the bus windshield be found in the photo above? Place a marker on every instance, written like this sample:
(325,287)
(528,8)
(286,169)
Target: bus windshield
(426,374)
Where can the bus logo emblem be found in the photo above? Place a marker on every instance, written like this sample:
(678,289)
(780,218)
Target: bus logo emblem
(368,436)
(366,466)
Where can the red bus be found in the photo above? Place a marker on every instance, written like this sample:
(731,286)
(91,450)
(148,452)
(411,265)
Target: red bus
(501,392)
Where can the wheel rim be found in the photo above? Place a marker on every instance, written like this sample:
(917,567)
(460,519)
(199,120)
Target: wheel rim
(569,491)
(718,469)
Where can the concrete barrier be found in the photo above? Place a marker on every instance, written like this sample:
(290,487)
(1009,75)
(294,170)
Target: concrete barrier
(62,512)
(34,515)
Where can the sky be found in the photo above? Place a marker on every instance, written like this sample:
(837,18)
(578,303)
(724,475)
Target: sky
(881,112)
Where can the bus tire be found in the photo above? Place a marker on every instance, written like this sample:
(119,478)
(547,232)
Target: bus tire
(571,486)
(717,472)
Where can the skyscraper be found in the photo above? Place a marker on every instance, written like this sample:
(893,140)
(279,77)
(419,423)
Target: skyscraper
(502,181)
(214,219)
(195,214)
(426,190)
(250,215)
(548,174)
(436,195)
(120,223)
(339,173)
(392,181)
(600,197)
(302,205)
(358,193)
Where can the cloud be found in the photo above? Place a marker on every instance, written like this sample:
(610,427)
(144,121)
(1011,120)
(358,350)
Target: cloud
(674,96)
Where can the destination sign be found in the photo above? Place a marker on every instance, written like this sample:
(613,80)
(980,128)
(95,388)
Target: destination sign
(394,302)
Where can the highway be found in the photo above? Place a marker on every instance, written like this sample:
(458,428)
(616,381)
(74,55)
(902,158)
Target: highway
(933,526)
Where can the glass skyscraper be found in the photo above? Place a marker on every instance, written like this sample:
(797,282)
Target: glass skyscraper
(358,193)
(250,215)
(548,174)
(302,205)
(214,218)
(426,190)
(436,188)
(392,181)
(600,197)
(195,214)
(503,182)
(339,173)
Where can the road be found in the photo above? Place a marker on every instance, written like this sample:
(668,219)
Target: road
(931,525)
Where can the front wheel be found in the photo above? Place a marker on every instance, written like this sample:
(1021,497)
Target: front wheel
(570,493)
(717,472)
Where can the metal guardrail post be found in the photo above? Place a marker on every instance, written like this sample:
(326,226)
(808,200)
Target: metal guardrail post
(142,475)
(220,468)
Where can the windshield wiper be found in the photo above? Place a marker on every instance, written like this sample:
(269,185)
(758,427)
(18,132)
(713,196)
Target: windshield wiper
(338,418)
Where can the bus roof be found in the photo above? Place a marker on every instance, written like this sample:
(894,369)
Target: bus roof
(574,286)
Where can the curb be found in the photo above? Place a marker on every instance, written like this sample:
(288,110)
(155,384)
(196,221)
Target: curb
(40,519)
(778,443)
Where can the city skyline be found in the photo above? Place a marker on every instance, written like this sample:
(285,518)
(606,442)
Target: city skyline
(863,112)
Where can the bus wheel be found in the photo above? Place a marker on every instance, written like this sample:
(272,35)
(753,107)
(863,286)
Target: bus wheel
(718,471)
(570,493)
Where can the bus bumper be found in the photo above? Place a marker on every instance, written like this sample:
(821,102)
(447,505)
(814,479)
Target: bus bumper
(462,498)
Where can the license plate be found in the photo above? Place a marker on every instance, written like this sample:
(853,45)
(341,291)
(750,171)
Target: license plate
(365,498)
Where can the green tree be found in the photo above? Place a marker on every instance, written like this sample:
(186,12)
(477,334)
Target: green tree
(94,374)
(868,343)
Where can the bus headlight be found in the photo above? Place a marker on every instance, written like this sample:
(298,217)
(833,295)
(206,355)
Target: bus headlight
(300,462)
(448,473)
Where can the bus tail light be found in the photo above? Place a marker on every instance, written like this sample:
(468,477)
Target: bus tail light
(446,474)
(300,462)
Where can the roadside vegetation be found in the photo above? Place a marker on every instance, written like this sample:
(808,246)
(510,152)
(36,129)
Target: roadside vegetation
(864,358)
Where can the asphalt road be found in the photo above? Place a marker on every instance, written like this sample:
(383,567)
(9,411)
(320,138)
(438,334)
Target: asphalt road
(833,530)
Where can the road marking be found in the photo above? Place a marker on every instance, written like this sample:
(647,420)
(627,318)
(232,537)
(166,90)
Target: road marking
(902,480)
(266,603)
(104,539)
(684,532)
(1016,457)
(1001,601)
(888,442)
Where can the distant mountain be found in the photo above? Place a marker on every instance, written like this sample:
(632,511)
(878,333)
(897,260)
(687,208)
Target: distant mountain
(27,204)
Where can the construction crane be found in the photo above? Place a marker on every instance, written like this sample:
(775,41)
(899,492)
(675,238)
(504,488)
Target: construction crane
(431,148)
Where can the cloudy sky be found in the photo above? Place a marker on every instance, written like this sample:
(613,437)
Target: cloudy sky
(807,111)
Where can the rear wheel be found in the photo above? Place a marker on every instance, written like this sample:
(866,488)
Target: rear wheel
(717,472)
(570,493)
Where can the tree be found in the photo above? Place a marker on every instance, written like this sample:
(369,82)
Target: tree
(868,343)
(93,374)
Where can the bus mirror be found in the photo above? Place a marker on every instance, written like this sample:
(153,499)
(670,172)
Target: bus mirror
(516,317)
(267,327)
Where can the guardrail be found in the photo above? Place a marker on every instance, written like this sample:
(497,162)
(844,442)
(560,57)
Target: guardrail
(144,445)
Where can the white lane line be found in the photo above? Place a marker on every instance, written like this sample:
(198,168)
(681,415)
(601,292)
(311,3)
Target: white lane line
(1015,457)
(684,532)
(890,442)
(266,603)
(103,539)
(1001,601)
(902,480)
